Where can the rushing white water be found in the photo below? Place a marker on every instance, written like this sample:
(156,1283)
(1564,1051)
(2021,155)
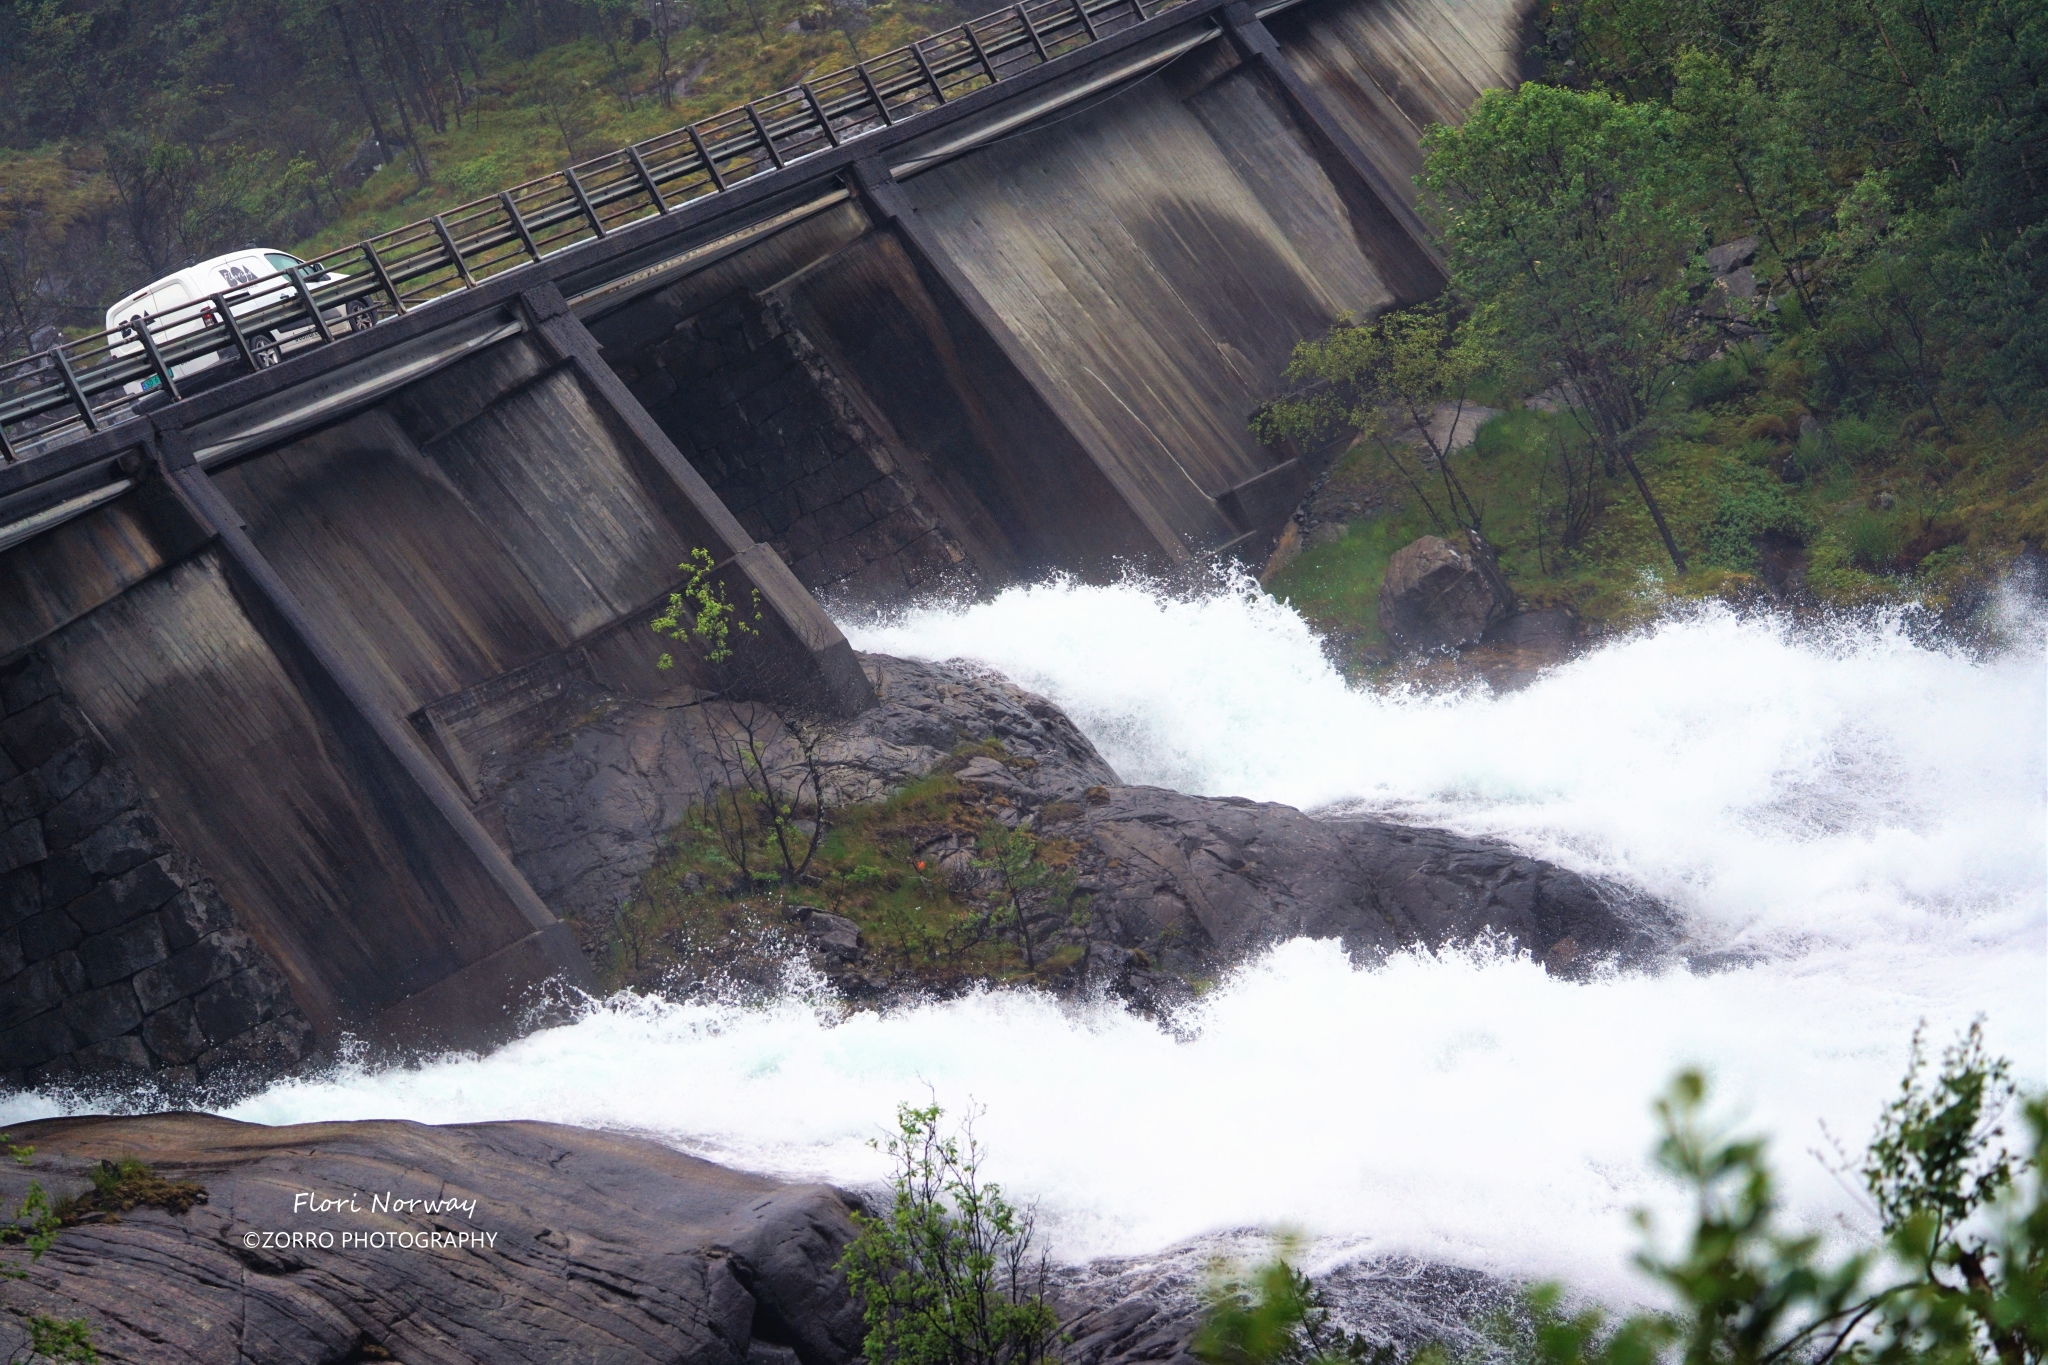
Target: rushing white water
(1862,816)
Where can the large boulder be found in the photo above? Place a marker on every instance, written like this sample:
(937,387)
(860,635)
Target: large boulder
(1436,596)
(1189,885)
(578,1245)
(1178,887)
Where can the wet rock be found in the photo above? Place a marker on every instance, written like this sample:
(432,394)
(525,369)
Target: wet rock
(1436,596)
(924,711)
(833,935)
(1514,652)
(585,815)
(1196,883)
(1731,256)
(1176,887)
(583,1246)
(1148,1308)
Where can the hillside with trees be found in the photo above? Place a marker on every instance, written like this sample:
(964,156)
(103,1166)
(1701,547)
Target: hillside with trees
(139,135)
(1759,285)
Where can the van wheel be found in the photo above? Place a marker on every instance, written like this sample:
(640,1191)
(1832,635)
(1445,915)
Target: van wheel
(362,315)
(264,349)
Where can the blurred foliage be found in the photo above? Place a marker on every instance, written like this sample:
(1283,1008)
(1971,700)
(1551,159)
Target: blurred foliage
(1959,1278)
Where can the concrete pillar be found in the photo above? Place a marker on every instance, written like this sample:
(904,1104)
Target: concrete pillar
(1390,227)
(822,670)
(452,856)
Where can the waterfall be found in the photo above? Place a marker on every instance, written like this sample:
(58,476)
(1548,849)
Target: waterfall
(1850,820)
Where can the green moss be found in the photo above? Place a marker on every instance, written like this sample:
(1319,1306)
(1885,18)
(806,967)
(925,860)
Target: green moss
(878,866)
(121,1186)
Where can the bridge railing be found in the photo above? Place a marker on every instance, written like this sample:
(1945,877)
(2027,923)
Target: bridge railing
(89,382)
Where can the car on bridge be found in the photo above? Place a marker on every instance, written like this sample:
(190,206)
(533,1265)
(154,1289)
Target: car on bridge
(246,283)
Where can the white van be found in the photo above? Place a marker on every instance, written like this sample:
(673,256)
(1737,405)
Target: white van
(181,304)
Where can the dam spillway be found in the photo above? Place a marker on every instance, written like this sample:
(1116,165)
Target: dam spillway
(252,645)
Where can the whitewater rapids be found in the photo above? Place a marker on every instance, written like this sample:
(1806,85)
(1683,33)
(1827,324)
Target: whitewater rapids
(1854,817)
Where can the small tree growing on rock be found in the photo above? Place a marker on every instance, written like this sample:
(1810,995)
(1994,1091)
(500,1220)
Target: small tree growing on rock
(771,777)
(1028,889)
(947,1276)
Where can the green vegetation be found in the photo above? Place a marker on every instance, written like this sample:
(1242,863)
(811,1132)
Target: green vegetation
(1961,1279)
(121,1186)
(700,610)
(1277,1316)
(946,1276)
(32,1224)
(989,911)
(1863,400)
(139,135)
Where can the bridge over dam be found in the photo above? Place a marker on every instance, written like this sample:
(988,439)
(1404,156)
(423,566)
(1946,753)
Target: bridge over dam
(987,307)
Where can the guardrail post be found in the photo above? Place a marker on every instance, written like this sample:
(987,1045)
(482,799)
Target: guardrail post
(647,179)
(383,281)
(1409,254)
(767,142)
(70,382)
(818,113)
(875,95)
(306,302)
(518,224)
(454,253)
(583,200)
(156,359)
(1037,43)
(930,77)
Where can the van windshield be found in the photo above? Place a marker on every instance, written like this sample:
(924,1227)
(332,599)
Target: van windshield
(281,262)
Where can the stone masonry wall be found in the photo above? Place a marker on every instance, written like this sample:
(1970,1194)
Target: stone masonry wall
(117,955)
(759,413)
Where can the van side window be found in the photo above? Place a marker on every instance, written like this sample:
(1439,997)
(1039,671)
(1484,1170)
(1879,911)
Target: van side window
(279,261)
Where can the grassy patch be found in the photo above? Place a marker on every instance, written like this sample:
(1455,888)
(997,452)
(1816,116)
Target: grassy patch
(915,873)
(122,1186)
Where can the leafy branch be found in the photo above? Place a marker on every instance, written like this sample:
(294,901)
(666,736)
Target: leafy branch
(701,610)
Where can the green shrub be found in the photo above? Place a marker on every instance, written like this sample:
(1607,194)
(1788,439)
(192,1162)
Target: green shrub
(1756,507)
(946,1276)
(1858,440)
(1962,1277)
(1874,540)
(1276,1316)
(1718,380)
(33,1224)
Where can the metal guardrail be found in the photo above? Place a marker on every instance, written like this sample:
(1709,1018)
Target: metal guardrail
(86,383)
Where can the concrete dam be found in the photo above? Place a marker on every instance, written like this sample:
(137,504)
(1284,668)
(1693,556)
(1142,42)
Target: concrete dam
(253,641)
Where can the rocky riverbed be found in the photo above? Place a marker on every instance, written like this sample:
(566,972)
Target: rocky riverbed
(1159,891)
(338,1243)
(347,1242)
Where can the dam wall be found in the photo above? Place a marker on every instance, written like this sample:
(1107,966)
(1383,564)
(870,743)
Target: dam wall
(298,614)
(1043,354)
